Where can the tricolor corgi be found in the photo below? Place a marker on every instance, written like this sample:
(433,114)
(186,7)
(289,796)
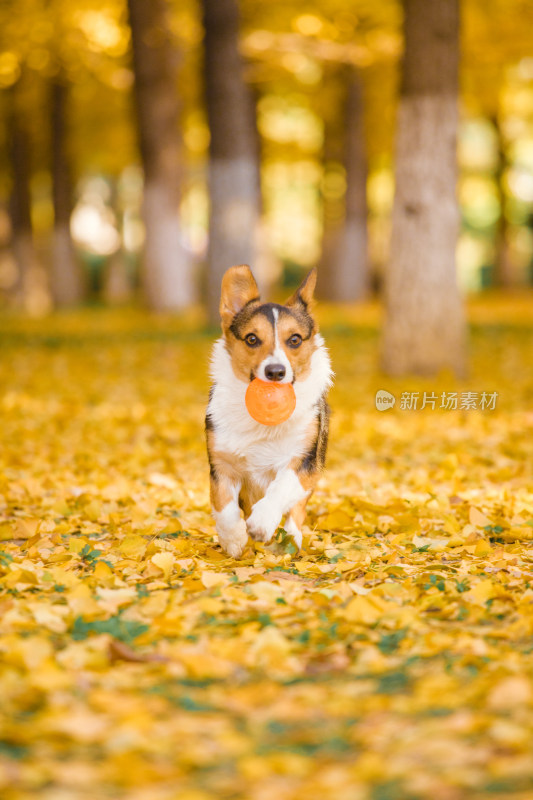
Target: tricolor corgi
(262,473)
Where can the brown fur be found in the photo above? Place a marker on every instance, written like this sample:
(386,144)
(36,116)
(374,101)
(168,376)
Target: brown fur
(242,314)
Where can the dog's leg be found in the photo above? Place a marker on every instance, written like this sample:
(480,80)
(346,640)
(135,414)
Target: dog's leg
(295,520)
(283,493)
(230,526)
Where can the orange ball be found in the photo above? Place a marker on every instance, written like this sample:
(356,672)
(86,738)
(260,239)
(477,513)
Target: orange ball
(268,402)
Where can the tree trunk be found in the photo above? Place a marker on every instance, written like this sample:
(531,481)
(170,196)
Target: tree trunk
(66,276)
(424,324)
(345,276)
(168,278)
(504,275)
(233,160)
(21,244)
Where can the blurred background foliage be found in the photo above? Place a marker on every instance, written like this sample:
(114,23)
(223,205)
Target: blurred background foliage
(299,60)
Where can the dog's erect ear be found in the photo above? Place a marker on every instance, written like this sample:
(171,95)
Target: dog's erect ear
(304,293)
(238,289)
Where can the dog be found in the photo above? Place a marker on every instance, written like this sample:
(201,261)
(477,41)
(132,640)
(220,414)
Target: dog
(263,471)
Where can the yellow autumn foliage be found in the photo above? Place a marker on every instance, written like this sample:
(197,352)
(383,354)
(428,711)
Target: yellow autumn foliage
(390,659)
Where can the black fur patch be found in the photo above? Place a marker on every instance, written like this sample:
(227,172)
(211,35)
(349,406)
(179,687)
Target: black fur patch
(315,458)
(208,421)
(209,426)
(309,460)
(302,301)
(245,315)
(323,435)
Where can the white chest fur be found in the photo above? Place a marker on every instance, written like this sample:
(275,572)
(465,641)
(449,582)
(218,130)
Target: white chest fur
(263,449)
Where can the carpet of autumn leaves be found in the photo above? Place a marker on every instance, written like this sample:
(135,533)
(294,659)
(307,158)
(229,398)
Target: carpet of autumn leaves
(392,659)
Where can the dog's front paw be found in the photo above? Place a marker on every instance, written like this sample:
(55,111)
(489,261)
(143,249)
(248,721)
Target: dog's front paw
(233,541)
(293,530)
(263,521)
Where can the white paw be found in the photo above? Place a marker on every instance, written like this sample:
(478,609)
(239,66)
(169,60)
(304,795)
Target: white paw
(263,521)
(233,540)
(292,530)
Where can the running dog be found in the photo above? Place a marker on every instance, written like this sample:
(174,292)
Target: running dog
(262,473)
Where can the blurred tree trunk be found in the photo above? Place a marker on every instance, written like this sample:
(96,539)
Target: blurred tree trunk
(22,245)
(66,275)
(233,158)
(503,268)
(424,325)
(168,278)
(344,271)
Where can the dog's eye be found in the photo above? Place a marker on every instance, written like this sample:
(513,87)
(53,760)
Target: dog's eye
(295,340)
(252,340)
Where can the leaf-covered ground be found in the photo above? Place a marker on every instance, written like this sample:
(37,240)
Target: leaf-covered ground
(392,659)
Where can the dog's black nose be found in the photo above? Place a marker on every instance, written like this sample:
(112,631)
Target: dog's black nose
(275,372)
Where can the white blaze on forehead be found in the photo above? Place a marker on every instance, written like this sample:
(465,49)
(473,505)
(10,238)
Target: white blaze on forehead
(279,356)
(275,314)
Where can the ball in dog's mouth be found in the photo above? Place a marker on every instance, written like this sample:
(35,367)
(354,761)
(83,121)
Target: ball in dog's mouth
(270,403)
